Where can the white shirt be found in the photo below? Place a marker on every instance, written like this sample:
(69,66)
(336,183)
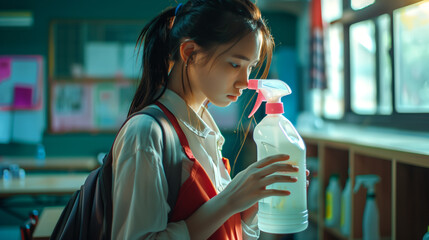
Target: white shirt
(140,208)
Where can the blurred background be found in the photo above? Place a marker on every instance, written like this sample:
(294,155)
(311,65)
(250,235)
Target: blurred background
(357,69)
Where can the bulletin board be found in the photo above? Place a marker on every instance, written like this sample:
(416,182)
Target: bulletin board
(77,107)
(21,82)
(21,98)
(93,74)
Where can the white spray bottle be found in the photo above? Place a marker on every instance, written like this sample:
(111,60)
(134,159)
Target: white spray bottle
(346,202)
(370,224)
(276,135)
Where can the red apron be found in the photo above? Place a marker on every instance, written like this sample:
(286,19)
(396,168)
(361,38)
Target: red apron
(198,189)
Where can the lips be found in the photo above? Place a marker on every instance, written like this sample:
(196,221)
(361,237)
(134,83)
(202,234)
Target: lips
(232,97)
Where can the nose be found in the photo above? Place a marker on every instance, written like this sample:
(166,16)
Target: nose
(242,81)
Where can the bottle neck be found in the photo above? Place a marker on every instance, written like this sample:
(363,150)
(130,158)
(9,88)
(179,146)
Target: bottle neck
(274,108)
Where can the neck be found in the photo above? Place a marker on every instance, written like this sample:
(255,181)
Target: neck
(179,83)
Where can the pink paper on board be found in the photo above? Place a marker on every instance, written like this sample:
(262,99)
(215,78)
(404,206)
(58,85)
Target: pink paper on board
(5,66)
(22,96)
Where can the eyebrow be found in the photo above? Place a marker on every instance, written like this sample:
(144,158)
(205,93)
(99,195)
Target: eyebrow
(242,57)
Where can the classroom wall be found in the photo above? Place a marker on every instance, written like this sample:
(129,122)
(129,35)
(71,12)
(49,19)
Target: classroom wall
(34,40)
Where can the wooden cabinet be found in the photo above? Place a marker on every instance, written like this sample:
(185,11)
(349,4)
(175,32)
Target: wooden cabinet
(401,159)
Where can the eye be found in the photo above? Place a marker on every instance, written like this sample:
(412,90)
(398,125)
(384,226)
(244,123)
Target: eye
(234,65)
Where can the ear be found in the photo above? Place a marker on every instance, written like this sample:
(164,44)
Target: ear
(187,49)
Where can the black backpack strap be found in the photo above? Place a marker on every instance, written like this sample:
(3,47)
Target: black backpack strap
(172,154)
(172,162)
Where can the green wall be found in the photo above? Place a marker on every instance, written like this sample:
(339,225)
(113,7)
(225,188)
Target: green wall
(34,40)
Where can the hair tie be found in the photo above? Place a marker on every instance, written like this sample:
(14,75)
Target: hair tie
(177,9)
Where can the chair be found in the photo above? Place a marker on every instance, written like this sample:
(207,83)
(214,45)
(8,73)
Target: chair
(29,225)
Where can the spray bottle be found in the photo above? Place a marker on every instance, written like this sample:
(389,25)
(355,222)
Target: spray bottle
(370,225)
(333,202)
(346,203)
(276,135)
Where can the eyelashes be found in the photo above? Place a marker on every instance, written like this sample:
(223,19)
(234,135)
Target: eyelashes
(235,66)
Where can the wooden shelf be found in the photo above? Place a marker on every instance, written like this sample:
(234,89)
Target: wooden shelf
(369,165)
(404,146)
(335,233)
(412,198)
(401,159)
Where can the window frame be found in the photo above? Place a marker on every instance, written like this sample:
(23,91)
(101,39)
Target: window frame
(409,121)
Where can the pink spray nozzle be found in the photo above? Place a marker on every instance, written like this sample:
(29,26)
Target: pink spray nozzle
(253,84)
(271,91)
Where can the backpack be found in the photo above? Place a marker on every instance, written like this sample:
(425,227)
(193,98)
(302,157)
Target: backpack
(88,214)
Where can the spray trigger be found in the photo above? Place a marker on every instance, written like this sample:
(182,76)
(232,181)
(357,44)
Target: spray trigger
(253,84)
(270,91)
(258,103)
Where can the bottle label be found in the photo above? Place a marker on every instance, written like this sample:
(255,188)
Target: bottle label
(329,202)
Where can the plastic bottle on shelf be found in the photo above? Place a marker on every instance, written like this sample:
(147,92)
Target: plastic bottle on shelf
(346,208)
(276,135)
(426,236)
(40,154)
(370,224)
(333,202)
(7,177)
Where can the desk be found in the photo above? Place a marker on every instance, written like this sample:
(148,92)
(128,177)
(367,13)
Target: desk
(47,221)
(37,184)
(53,163)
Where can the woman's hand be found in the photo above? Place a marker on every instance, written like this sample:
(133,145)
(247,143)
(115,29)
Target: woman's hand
(249,185)
(242,193)
(307,174)
(249,214)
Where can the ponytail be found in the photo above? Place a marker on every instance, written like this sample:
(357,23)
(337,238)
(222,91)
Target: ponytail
(208,23)
(154,38)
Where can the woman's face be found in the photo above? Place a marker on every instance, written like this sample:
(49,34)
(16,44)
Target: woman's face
(222,78)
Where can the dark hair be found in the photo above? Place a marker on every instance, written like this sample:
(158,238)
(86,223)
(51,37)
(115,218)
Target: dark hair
(210,23)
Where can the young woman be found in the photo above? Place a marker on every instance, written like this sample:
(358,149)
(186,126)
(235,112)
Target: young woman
(201,51)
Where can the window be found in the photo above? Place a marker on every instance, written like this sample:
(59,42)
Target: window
(334,94)
(376,63)
(385,43)
(412,58)
(359,4)
(370,47)
(332,10)
(362,67)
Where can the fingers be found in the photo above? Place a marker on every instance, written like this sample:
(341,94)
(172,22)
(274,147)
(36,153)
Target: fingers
(274,192)
(272,159)
(277,178)
(276,167)
(307,173)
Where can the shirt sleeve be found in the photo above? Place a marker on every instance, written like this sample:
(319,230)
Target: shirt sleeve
(140,208)
(251,231)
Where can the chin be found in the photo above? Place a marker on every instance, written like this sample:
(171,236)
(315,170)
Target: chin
(221,103)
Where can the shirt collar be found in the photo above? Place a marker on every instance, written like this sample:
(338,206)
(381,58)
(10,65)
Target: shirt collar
(187,115)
